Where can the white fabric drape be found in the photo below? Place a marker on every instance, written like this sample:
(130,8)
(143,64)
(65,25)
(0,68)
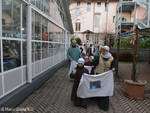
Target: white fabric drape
(73,65)
(100,85)
(89,68)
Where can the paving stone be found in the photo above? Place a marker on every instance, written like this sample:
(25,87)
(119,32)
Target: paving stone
(54,97)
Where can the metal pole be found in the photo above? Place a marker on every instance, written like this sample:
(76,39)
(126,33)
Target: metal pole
(134,16)
(121,18)
(29,46)
(106,21)
(93,19)
(12,23)
(117,55)
(1,36)
(118,37)
(1,47)
(110,41)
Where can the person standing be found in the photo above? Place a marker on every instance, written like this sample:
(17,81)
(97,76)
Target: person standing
(73,53)
(105,63)
(77,73)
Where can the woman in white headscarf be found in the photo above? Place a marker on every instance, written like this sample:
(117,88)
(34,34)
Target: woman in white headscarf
(105,63)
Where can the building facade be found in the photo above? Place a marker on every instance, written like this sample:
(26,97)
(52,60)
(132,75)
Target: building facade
(34,36)
(131,13)
(96,16)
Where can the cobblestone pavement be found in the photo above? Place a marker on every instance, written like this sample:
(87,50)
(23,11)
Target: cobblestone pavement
(54,97)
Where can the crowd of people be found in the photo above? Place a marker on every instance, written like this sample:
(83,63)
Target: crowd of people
(100,59)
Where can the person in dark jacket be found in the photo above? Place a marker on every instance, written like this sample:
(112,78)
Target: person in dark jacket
(77,73)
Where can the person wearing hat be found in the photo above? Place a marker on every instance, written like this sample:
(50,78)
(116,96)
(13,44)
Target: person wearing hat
(89,62)
(77,73)
(104,63)
(73,53)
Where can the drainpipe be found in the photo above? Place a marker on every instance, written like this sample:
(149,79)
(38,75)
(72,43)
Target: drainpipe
(107,1)
(134,16)
(29,36)
(93,20)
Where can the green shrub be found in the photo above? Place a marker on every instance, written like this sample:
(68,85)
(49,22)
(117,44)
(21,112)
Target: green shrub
(77,39)
(124,43)
(141,44)
(147,44)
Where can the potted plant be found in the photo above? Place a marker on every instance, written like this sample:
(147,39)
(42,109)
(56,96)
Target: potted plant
(134,88)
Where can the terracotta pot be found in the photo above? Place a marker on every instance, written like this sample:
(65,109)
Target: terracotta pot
(135,90)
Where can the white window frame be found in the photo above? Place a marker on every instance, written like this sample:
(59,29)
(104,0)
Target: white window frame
(22,40)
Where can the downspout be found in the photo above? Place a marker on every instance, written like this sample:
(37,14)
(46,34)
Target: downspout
(93,20)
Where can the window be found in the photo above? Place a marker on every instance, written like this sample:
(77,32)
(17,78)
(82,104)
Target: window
(78,3)
(38,3)
(24,21)
(36,51)
(50,31)
(124,19)
(87,36)
(3,21)
(11,19)
(12,28)
(106,6)
(36,26)
(44,29)
(55,49)
(98,4)
(32,2)
(50,49)
(88,6)
(114,19)
(46,6)
(33,25)
(77,12)
(77,25)
(24,52)
(97,20)
(11,54)
(44,50)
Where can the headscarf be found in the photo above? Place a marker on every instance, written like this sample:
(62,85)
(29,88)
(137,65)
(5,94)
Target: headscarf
(81,60)
(108,54)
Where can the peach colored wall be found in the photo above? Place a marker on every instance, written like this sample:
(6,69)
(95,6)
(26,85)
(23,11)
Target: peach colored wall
(127,16)
(103,20)
(141,13)
(86,18)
